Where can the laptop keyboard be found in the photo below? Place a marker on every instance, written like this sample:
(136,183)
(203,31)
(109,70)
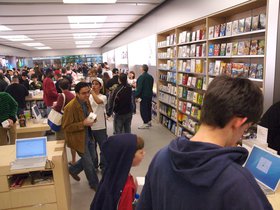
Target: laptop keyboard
(29,163)
(31,160)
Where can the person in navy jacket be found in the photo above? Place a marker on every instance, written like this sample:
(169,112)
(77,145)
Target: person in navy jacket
(117,188)
(205,171)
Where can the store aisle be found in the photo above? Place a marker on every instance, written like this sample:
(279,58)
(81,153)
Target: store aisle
(155,138)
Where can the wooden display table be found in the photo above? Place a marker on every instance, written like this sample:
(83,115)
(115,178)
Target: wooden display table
(53,195)
(32,129)
(274,199)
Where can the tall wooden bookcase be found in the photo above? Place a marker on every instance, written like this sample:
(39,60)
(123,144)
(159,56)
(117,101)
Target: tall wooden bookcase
(191,55)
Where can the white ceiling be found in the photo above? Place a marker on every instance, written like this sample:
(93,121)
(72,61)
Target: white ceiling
(46,21)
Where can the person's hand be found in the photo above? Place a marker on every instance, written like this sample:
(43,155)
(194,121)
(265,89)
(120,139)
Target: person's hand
(87,122)
(11,122)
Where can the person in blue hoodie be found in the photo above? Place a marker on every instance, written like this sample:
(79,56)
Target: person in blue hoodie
(117,188)
(205,171)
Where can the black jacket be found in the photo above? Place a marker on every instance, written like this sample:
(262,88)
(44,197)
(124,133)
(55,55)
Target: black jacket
(18,92)
(112,82)
(121,101)
(3,85)
(271,120)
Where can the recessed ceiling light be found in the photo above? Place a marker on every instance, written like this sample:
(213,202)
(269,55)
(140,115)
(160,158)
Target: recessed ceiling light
(89,1)
(43,48)
(86,19)
(78,25)
(35,44)
(83,42)
(4,28)
(83,46)
(17,38)
(84,35)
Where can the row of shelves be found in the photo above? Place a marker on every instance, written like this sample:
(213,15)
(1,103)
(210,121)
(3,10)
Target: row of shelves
(214,57)
(191,55)
(240,35)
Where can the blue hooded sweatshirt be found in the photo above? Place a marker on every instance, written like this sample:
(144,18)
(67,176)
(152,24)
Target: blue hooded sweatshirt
(188,175)
(119,151)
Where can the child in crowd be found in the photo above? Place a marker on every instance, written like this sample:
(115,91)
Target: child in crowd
(117,188)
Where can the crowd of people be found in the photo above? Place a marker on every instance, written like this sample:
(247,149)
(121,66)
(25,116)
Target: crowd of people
(206,167)
(98,90)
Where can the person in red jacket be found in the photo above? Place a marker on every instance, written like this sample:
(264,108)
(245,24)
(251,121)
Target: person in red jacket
(117,188)
(50,93)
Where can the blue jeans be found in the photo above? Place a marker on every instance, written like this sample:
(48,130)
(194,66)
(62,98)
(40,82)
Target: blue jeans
(133,101)
(86,163)
(123,123)
(100,136)
(146,109)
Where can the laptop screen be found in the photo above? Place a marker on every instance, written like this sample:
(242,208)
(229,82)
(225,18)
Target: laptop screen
(36,112)
(31,147)
(265,167)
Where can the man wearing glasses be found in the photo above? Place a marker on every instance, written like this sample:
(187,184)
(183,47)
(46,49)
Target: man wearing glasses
(77,131)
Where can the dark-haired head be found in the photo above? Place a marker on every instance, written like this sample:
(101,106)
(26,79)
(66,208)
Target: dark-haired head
(64,84)
(123,79)
(228,97)
(145,67)
(132,74)
(80,85)
(115,71)
(33,76)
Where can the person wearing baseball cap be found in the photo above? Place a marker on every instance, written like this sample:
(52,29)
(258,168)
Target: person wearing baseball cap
(98,103)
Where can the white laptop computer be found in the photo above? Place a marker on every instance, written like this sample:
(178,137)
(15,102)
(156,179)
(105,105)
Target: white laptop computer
(30,153)
(37,114)
(265,166)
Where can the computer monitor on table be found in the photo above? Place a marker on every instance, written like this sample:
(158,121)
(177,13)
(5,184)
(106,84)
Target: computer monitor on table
(265,166)
(36,112)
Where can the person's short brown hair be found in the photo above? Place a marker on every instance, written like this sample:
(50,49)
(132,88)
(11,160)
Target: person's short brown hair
(140,143)
(228,97)
(64,84)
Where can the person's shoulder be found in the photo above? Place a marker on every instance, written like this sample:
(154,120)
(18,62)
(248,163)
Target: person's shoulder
(102,96)
(73,104)
(240,177)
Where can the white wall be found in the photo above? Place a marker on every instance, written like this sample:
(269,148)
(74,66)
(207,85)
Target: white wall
(10,51)
(43,53)
(169,15)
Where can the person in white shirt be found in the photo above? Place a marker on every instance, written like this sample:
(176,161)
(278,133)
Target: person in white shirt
(99,130)
(131,80)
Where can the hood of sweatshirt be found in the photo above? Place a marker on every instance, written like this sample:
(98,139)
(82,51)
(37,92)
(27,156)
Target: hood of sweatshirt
(119,151)
(201,163)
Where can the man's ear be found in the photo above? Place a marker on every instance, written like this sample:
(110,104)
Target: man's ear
(237,122)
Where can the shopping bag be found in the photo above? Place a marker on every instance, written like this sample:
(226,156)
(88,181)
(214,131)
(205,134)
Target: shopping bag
(54,120)
(55,117)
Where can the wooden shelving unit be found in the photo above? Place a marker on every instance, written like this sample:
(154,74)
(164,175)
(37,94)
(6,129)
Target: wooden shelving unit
(184,58)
